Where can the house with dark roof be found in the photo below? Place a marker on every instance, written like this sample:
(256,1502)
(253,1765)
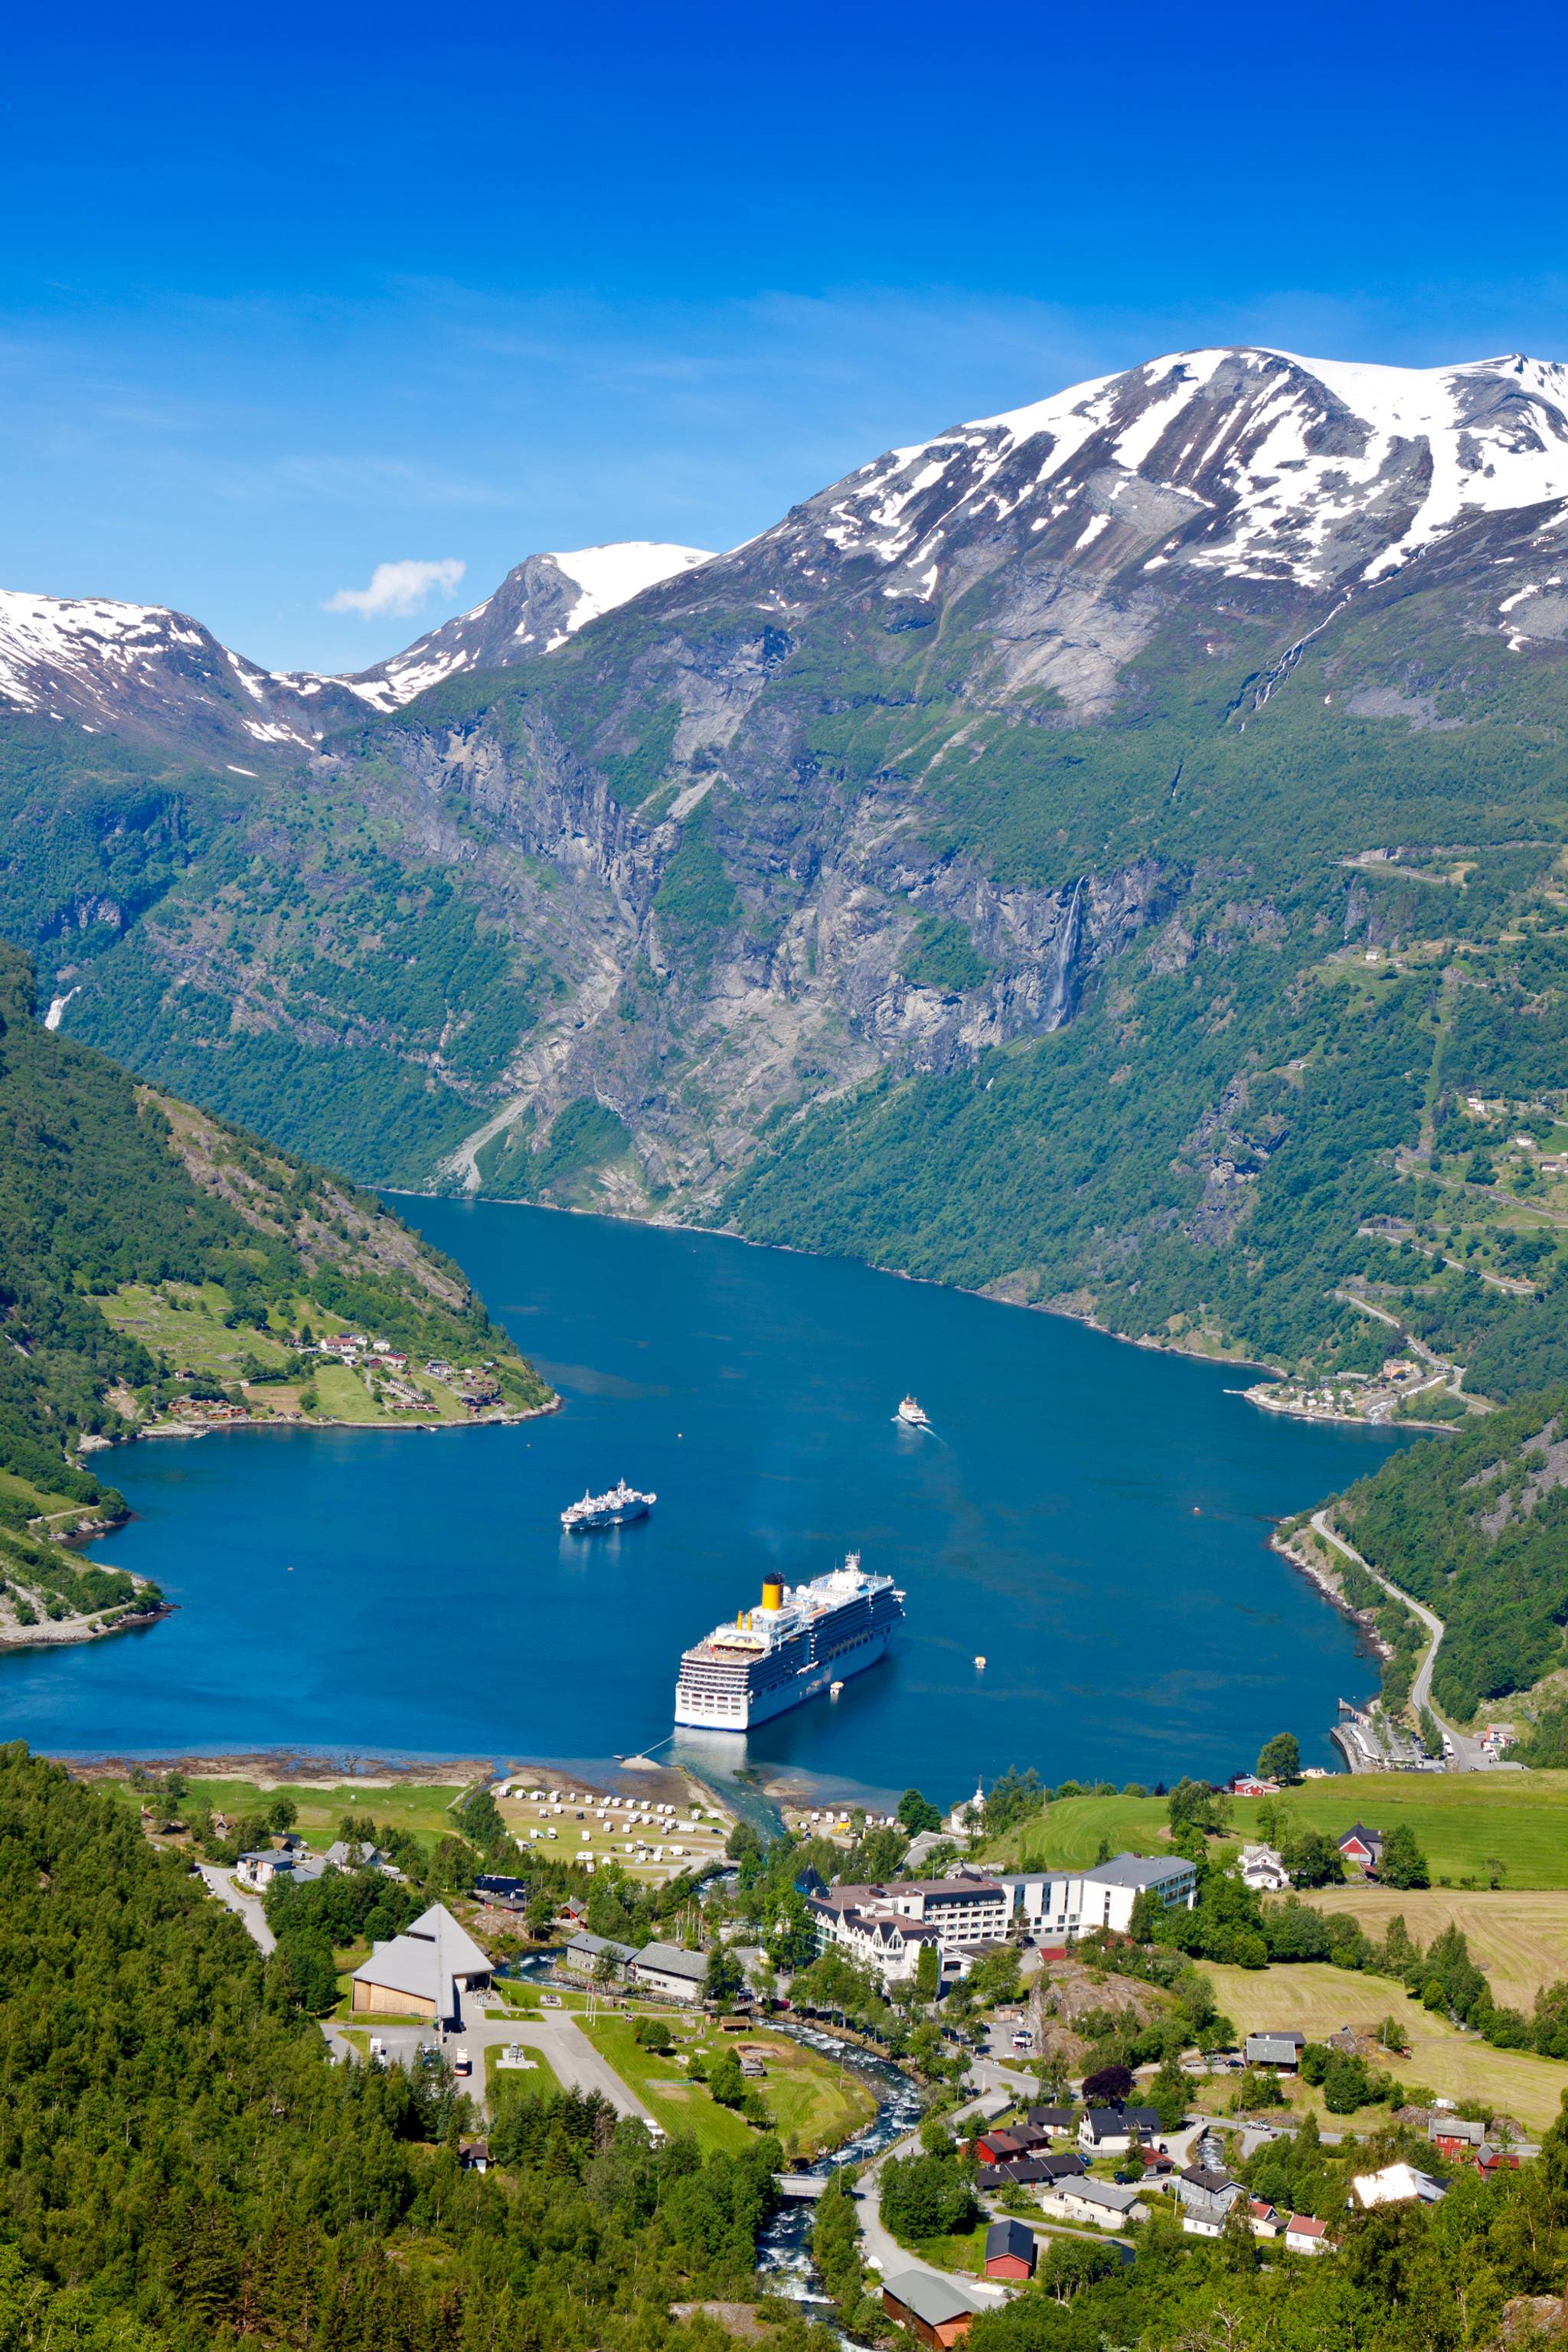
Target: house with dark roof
(1205,2197)
(1011,2251)
(932,2308)
(1361,1845)
(1058,2121)
(1111,2131)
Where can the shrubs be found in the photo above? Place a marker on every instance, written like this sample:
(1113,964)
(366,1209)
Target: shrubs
(927,2196)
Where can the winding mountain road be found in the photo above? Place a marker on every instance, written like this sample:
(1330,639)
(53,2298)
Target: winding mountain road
(1469,1753)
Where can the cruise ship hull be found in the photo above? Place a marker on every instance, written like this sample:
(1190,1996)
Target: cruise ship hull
(742,1710)
(590,1523)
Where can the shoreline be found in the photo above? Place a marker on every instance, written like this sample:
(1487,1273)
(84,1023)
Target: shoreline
(1243,1363)
(308,1421)
(62,1633)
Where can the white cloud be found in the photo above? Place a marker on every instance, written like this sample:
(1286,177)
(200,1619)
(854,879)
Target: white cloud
(398,588)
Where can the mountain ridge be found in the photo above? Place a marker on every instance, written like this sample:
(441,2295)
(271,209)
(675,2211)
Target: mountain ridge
(1048,775)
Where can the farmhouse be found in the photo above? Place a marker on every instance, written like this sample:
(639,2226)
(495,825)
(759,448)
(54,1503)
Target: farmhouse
(930,2307)
(1263,1869)
(424,1972)
(1361,1845)
(1010,2251)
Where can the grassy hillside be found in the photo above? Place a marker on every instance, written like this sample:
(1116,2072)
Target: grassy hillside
(1476,1526)
(1461,1822)
(140,1238)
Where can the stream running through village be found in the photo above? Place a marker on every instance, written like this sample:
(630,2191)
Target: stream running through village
(783,2249)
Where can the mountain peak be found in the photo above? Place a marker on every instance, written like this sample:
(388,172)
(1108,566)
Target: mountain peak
(1251,462)
(540,602)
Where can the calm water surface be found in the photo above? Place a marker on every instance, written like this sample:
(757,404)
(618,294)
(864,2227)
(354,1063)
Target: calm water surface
(1089,1516)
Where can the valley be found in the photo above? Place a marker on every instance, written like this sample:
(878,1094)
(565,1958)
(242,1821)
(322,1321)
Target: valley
(1110,856)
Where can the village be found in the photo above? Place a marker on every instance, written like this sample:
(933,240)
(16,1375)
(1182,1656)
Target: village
(993,1985)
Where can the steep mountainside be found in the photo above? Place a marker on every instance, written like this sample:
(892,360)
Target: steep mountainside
(1479,1529)
(155,1263)
(1105,854)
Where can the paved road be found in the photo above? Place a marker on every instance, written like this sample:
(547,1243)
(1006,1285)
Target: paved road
(883,2249)
(249,1906)
(577,2064)
(1469,1755)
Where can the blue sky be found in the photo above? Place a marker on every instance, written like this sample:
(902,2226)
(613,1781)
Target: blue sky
(286,295)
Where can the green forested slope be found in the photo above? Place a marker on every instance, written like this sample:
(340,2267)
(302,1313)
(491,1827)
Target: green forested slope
(1476,1526)
(101,1184)
(182,2165)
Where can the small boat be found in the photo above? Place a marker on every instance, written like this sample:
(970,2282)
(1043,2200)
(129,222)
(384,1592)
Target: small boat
(913,1414)
(834,1689)
(613,1509)
(980,1661)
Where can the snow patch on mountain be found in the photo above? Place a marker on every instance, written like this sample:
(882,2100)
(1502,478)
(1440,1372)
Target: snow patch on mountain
(1309,471)
(611,575)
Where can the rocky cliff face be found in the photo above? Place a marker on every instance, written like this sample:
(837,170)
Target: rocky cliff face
(1055,705)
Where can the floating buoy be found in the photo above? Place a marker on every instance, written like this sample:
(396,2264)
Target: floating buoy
(980,1661)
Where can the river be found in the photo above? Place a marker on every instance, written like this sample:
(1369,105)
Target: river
(1090,1518)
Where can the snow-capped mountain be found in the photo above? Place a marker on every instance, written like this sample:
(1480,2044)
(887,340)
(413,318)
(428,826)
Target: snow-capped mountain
(539,603)
(1245,465)
(109,667)
(114,669)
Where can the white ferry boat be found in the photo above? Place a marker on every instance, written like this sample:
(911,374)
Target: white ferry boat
(913,1414)
(806,1639)
(613,1509)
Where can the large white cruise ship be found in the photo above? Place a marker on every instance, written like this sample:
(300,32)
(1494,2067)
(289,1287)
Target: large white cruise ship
(802,1640)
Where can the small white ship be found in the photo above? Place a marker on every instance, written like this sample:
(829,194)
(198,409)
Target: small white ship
(613,1509)
(913,1414)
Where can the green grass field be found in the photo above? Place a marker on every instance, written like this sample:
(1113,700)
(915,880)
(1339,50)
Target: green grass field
(187,1329)
(1460,1819)
(509,2082)
(1318,2000)
(1520,1939)
(679,2106)
(421,1808)
(37,1501)
(966,2251)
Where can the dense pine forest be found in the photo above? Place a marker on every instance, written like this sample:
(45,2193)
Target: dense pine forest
(182,2165)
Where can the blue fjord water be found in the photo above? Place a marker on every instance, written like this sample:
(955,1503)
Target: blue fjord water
(1091,1518)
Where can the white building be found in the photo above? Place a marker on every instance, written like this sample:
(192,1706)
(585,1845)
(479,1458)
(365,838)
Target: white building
(885,1925)
(1398,2184)
(955,1825)
(667,1970)
(1059,1906)
(1107,2203)
(1263,1870)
